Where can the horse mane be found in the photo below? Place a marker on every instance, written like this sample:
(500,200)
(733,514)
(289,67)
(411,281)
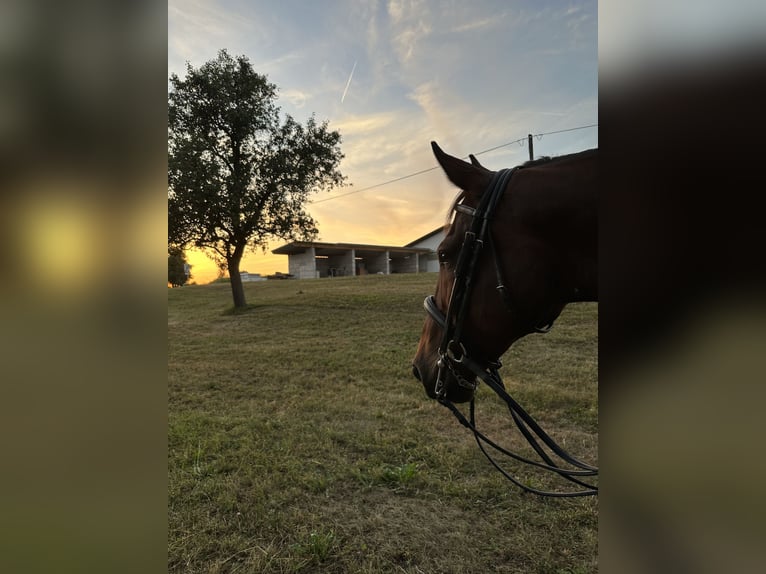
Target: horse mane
(548,159)
(542,160)
(451,209)
(539,161)
(461,195)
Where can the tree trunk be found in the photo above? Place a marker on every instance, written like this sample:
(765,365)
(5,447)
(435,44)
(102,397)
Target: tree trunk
(237,291)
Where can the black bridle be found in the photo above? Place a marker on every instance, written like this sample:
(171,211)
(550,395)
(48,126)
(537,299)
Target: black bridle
(455,352)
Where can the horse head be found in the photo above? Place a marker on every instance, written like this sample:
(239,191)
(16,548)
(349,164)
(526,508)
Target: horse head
(508,264)
(482,323)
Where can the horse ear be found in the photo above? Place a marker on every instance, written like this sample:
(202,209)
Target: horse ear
(475,163)
(467,176)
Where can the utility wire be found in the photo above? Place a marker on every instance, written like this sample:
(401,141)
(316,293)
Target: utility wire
(421,172)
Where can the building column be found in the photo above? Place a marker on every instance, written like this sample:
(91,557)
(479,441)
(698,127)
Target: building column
(302,265)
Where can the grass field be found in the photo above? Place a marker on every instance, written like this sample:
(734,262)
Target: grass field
(298,440)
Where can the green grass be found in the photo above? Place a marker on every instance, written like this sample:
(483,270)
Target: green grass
(298,440)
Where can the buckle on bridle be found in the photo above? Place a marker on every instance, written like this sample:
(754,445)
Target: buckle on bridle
(453,355)
(450,352)
(439,389)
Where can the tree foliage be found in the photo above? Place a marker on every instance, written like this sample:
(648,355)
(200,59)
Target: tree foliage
(239,175)
(177,267)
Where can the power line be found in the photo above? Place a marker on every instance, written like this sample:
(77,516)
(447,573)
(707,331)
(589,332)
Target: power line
(566,130)
(421,172)
(378,184)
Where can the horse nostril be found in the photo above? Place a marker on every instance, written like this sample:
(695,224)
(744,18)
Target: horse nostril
(416,373)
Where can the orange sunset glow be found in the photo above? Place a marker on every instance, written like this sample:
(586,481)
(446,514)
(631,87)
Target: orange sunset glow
(396,77)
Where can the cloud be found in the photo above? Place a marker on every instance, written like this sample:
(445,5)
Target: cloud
(278,63)
(410,23)
(199,28)
(384,145)
(477,24)
(406,40)
(395,10)
(443,109)
(296,97)
(394,201)
(392,216)
(358,125)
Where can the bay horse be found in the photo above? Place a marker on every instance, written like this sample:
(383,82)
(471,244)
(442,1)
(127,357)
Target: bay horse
(522,244)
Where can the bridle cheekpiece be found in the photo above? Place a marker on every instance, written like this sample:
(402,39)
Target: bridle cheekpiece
(452,350)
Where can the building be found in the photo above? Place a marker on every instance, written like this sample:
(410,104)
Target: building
(309,260)
(249,277)
(430,241)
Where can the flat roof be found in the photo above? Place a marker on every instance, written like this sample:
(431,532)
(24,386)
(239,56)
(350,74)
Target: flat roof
(340,248)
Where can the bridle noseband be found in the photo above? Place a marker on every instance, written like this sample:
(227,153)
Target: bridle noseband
(454,350)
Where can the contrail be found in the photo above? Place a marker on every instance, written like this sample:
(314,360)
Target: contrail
(351,75)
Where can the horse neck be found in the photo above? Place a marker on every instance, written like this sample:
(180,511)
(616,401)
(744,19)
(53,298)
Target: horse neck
(553,230)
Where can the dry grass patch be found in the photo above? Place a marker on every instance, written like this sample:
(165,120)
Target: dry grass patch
(299,441)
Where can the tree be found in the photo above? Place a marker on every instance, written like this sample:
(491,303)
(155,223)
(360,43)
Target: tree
(237,174)
(178,268)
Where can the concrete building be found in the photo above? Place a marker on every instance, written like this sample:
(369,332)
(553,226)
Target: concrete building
(430,241)
(249,277)
(309,260)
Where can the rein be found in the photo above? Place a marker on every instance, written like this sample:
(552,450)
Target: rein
(453,353)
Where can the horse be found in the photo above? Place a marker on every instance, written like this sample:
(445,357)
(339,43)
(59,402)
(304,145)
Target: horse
(538,253)
(522,244)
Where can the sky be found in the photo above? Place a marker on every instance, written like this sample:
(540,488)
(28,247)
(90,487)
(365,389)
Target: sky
(393,75)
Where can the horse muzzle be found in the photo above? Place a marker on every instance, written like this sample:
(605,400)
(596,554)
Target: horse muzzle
(454,385)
